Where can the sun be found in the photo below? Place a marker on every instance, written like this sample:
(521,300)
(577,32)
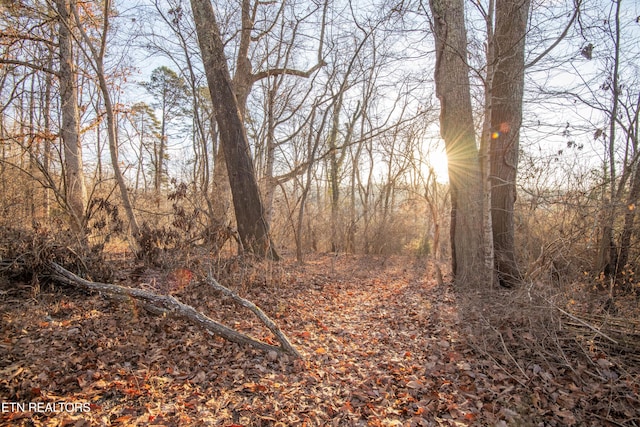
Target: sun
(436,159)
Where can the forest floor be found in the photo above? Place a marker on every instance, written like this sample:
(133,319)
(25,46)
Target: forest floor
(383,345)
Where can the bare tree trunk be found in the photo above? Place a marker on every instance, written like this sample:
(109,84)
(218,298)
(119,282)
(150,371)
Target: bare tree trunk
(46,155)
(431,195)
(75,190)
(269,181)
(457,130)
(506,118)
(632,202)
(334,166)
(33,154)
(242,82)
(98,64)
(3,165)
(313,142)
(607,261)
(160,153)
(485,144)
(252,227)
(336,160)
(351,228)
(629,220)
(113,150)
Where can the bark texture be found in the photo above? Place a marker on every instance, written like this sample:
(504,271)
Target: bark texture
(506,119)
(69,131)
(252,227)
(457,130)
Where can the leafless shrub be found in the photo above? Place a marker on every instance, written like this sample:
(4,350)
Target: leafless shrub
(104,222)
(186,229)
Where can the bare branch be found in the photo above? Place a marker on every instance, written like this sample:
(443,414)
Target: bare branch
(289,71)
(284,341)
(28,65)
(560,37)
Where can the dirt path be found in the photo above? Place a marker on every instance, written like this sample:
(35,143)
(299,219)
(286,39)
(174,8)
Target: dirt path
(386,340)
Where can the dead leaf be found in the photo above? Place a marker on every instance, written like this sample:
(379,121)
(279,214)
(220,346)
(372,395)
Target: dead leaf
(414,384)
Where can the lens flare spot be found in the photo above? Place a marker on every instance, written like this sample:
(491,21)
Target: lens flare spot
(495,135)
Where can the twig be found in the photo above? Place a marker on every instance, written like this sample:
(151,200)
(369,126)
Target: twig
(577,319)
(609,420)
(504,346)
(498,364)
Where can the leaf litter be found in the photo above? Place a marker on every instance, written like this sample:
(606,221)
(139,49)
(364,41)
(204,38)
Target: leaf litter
(383,345)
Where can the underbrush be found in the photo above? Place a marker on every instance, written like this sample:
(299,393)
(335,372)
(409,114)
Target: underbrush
(564,345)
(25,253)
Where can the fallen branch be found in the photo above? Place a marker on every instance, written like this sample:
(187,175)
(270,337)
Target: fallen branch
(282,339)
(593,328)
(167,304)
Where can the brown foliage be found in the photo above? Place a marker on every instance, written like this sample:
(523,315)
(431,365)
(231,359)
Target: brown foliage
(25,253)
(383,345)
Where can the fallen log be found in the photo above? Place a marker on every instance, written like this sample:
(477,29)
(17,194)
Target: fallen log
(171,306)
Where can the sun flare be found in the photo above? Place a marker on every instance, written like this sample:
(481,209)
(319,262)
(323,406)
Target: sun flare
(437,160)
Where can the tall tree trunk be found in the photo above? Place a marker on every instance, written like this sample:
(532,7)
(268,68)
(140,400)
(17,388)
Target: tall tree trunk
(506,118)
(457,130)
(157,181)
(351,228)
(607,259)
(46,156)
(269,181)
(33,149)
(629,220)
(75,190)
(98,65)
(252,227)
(313,142)
(485,144)
(241,83)
(334,166)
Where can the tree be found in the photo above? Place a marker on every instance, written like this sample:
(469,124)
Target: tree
(39,47)
(604,59)
(277,64)
(457,131)
(147,129)
(171,94)
(622,115)
(506,25)
(96,56)
(181,48)
(252,227)
(76,192)
(506,93)
(313,143)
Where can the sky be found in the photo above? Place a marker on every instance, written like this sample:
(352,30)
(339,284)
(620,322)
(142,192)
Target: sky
(545,132)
